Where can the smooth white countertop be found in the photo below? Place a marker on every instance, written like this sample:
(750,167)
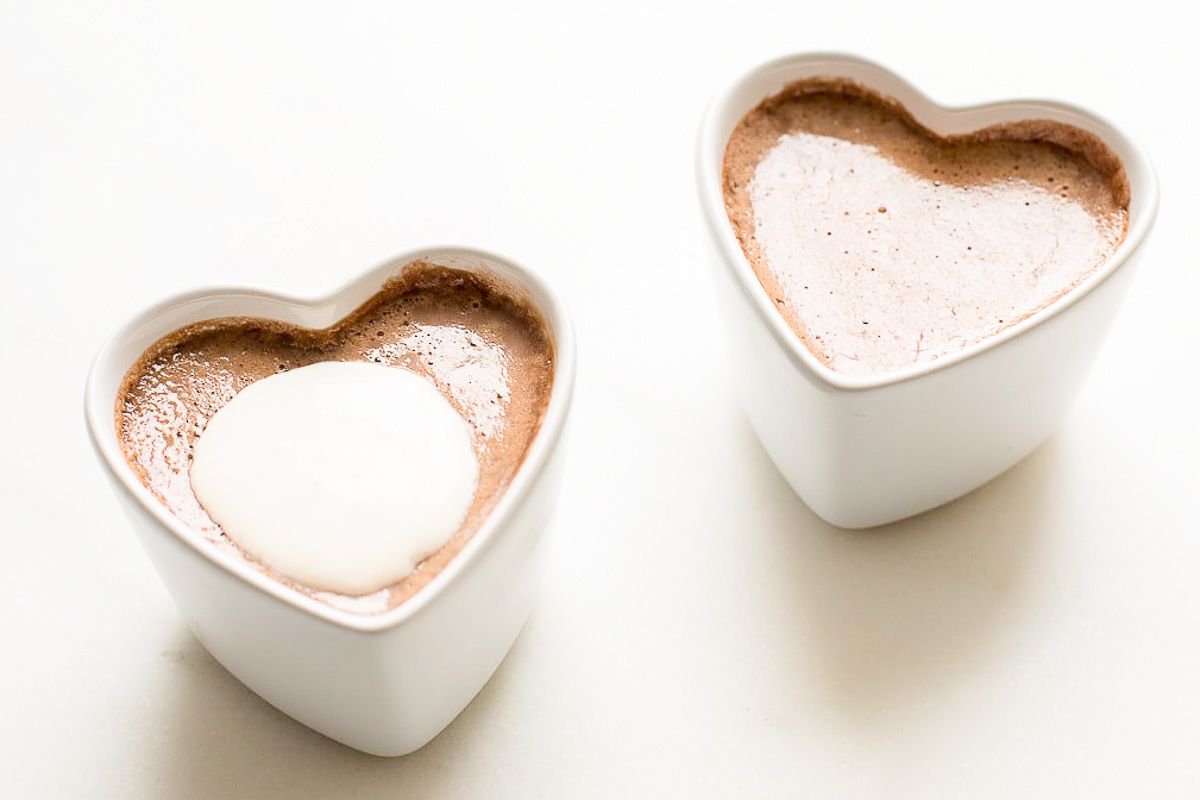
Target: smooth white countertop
(700,633)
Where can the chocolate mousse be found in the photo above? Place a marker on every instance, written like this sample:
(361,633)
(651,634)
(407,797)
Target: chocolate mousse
(885,245)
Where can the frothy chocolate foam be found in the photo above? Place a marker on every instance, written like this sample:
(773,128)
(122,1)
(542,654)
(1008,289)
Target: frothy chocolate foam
(482,345)
(884,245)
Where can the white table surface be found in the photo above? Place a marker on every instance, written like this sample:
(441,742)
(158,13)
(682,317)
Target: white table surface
(700,632)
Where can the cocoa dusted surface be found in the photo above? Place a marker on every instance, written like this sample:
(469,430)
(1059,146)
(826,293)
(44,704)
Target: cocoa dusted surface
(884,245)
(486,350)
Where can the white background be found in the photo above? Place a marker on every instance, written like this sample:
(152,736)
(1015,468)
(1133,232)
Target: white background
(700,632)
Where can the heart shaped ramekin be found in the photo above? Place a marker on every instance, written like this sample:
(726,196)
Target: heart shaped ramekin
(387,683)
(864,451)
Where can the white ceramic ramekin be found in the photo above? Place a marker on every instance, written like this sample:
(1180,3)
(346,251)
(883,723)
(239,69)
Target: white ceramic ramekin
(387,683)
(863,451)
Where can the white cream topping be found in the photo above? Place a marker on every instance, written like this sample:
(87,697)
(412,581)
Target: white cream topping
(342,476)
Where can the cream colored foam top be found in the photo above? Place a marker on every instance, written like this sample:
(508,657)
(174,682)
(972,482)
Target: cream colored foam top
(340,475)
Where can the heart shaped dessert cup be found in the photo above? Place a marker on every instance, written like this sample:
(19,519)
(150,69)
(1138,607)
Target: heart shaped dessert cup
(867,449)
(383,683)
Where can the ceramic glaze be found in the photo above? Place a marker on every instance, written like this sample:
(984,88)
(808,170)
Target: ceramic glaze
(385,683)
(864,450)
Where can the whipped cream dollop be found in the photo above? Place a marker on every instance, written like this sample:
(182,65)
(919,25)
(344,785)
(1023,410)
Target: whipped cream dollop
(340,475)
